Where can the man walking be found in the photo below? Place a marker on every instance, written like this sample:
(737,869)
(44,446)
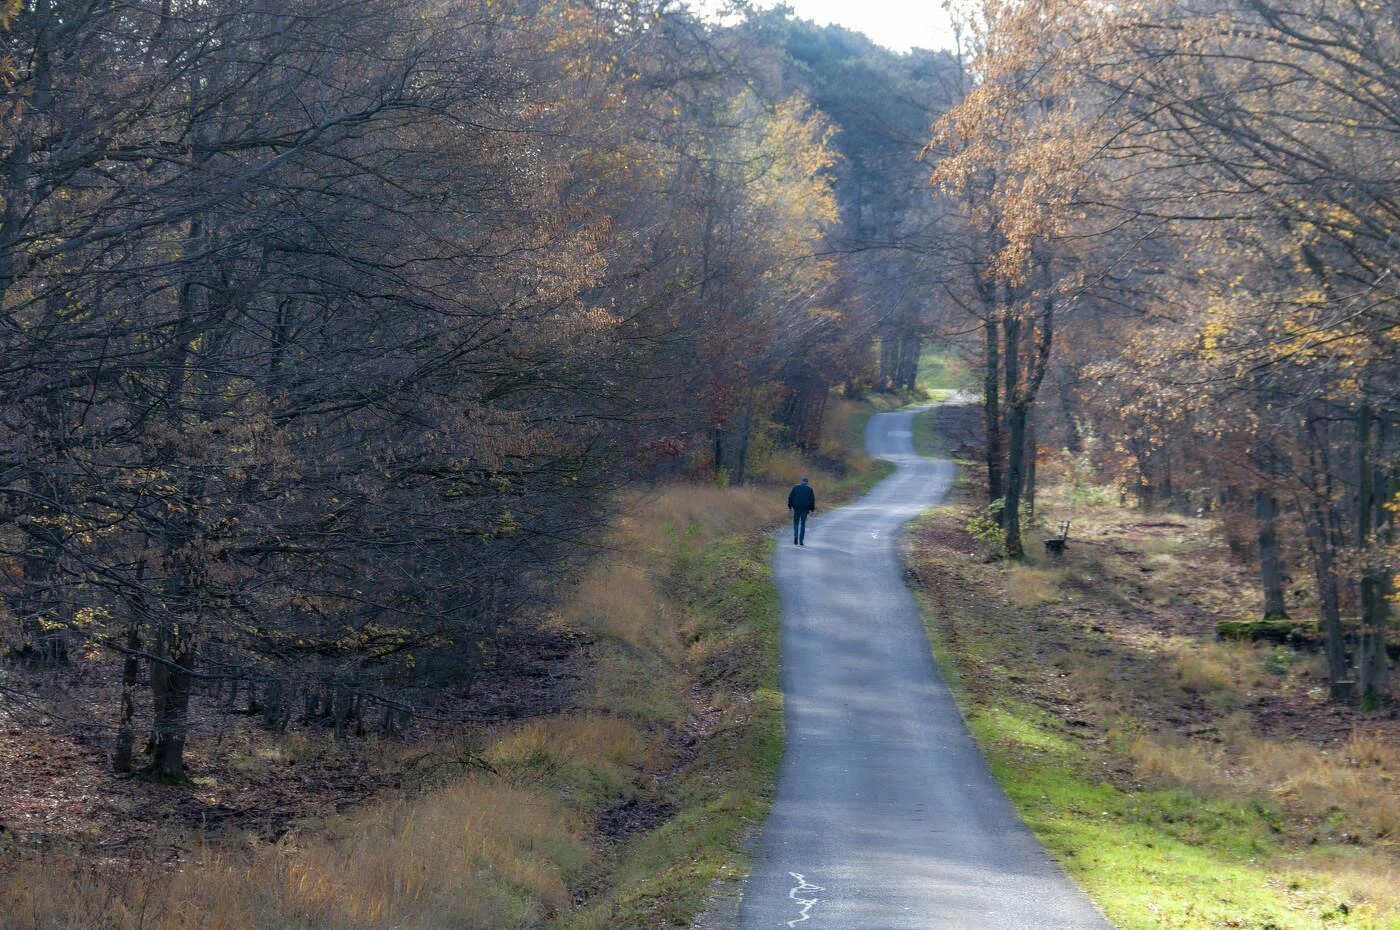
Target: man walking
(802,500)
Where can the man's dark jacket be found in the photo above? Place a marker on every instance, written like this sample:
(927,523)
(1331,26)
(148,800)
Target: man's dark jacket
(802,497)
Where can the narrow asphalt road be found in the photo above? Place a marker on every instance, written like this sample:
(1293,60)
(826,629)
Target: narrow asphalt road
(886,816)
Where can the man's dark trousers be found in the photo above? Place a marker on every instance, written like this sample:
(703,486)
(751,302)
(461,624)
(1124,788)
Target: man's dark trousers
(802,500)
(799,525)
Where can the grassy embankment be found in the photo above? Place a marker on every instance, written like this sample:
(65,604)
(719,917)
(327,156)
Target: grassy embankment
(1184,781)
(621,813)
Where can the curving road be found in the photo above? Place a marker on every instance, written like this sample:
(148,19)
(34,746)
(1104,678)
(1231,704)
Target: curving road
(886,816)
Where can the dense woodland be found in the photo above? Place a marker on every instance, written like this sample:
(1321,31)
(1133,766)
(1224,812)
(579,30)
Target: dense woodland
(1180,260)
(331,329)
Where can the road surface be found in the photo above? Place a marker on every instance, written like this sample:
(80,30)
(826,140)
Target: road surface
(886,816)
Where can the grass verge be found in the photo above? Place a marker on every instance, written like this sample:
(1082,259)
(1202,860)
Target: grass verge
(1184,782)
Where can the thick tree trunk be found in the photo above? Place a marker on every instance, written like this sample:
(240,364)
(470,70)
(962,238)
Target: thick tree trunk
(810,437)
(17,169)
(910,346)
(1015,436)
(889,358)
(171,680)
(1028,492)
(1325,537)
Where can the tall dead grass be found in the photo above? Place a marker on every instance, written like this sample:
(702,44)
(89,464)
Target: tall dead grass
(693,516)
(472,854)
(1349,791)
(642,634)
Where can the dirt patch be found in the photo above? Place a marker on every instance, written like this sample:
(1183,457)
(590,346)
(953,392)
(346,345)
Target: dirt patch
(635,815)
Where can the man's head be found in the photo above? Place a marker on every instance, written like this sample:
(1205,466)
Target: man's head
(804,479)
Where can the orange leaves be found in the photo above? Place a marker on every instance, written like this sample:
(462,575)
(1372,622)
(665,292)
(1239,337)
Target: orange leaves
(1016,149)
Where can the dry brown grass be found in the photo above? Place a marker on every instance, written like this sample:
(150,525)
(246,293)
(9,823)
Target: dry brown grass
(1032,587)
(599,742)
(783,468)
(619,599)
(1339,793)
(1205,670)
(694,515)
(1351,792)
(473,854)
(1163,760)
(640,657)
(1354,873)
(1361,782)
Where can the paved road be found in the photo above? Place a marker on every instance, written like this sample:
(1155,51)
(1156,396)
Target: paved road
(886,817)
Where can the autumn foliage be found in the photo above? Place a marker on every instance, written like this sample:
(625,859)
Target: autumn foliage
(330,329)
(1207,194)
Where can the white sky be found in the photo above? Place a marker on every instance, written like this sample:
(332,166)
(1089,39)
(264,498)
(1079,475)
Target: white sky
(896,24)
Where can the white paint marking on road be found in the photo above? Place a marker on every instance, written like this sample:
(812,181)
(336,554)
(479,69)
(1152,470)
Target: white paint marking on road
(874,534)
(806,904)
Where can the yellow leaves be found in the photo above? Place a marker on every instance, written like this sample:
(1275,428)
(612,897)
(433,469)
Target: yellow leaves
(1211,334)
(506,524)
(89,617)
(789,183)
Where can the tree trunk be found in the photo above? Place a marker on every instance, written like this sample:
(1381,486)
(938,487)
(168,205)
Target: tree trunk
(1372,663)
(1326,538)
(745,431)
(1015,436)
(171,679)
(1270,561)
(910,345)
(889,358)
(1028,493)
(1074,440)
(1328,598)
(17,167)
(277,709)
(991,409)
(1015,459)
(131,668)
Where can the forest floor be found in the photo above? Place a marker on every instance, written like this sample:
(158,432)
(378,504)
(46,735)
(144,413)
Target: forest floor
(58,790)
(601,773)
(1184,781)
